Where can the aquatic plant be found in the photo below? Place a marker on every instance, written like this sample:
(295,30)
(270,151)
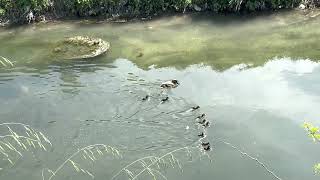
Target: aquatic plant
(88,153)
(12,144)
(5,62)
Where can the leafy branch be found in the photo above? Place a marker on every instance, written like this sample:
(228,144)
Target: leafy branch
(314,133)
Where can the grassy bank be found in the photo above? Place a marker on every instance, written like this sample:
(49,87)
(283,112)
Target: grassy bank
(23,11)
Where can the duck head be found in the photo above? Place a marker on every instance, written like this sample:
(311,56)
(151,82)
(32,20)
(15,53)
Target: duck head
(175,82)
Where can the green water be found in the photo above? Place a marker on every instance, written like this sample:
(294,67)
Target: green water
(256,78)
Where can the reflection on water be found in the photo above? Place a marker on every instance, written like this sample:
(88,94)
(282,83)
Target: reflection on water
(177,41)
(259,109)
(233,67)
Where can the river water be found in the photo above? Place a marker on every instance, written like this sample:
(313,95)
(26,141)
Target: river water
(255,77)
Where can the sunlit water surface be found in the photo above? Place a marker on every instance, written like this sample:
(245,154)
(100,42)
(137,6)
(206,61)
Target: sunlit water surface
(256,78)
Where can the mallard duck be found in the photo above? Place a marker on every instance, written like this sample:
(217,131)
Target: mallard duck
(170,84)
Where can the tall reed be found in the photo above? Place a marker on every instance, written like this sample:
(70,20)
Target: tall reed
(153,165)
(13,144)
(5,62)
(89,153)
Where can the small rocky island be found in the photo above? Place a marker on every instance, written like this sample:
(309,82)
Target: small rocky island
(80,47)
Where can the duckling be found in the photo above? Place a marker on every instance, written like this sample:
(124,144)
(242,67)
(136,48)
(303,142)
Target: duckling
(201,116)
(205,144)
(207,124)
(195,108)
(207,148)
(170,84)
(201,135)
(145,98)
(202,121)
(164,99)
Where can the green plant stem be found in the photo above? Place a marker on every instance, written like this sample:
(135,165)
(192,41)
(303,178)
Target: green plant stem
(35,140)
(12,123)
(70,157)
(151,164)
(147,157)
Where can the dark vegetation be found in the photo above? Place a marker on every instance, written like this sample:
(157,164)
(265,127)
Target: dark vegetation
(17,11)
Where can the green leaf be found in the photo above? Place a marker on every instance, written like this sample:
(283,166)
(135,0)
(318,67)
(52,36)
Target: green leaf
(314,130)
(316,168)
(317,136)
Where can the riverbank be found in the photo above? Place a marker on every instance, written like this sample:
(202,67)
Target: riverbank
(23,11)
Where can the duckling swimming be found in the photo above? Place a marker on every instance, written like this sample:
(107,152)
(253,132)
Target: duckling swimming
(201,116)
(207,124)
(206,146)
(202,121)
(164,99)
(145,98)
(201,135)
(170,84)
(195,108)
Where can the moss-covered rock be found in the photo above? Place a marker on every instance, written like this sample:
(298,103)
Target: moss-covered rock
(80,47)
